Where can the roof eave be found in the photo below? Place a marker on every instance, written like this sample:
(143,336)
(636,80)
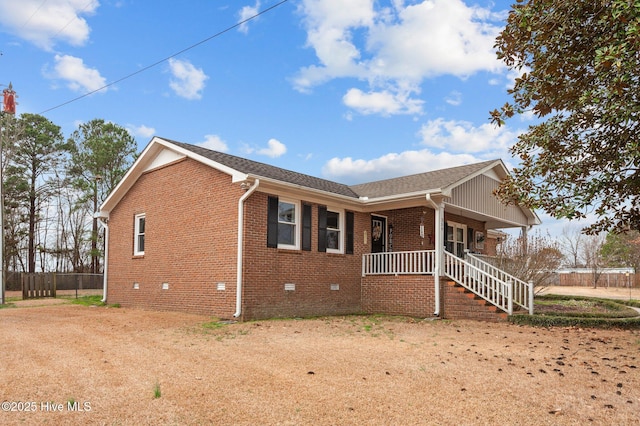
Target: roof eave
(145,159)
(304,192)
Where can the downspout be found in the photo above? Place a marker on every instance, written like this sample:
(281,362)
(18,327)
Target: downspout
(103,222)
(241,201)
(439,208)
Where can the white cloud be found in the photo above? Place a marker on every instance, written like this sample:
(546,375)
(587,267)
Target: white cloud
(246,13)
(188,81)
(392,165)
(43,23)
(454,98)
(330,25)
(435,37)
(142,130)
(79,77)
(384,103)
(214,142)
(463,136)
(274,149)
(394,49)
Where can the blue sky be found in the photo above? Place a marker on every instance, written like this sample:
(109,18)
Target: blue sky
(351,91)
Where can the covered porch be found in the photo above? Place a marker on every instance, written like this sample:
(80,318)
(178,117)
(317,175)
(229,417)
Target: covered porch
(493,285)
(421,238)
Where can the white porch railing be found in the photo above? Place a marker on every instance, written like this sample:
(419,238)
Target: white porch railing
(492,284)
(483,279)
(399,263)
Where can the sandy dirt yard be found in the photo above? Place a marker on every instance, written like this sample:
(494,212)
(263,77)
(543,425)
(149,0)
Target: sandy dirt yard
(69,364)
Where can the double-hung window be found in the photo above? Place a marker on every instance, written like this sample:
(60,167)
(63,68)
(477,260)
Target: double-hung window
(289,227)
(287,224)
(334,231)
(139,232)
(283,228)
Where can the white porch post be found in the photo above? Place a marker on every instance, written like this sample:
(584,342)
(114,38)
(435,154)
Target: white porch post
(438,206)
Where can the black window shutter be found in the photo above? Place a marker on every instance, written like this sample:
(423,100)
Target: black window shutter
(470,244)
(322,229)
(272,222)
(306,227)
(349,248)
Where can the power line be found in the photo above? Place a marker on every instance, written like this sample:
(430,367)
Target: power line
(34,13)
(75,16)
(168,57)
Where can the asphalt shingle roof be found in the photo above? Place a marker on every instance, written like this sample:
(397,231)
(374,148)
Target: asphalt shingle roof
(256,168)
(402,185)
(436,179)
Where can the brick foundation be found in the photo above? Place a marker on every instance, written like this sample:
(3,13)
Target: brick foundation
(411,295)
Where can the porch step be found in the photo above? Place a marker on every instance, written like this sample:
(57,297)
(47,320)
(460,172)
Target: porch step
(461,303)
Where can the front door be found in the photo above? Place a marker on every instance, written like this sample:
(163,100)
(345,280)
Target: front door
(456,238)
(378,234)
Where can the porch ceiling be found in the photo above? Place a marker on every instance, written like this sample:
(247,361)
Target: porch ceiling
(490,221)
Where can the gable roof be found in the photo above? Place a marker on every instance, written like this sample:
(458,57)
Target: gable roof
(257,169)
(431,181)
(437,180)
(404,191)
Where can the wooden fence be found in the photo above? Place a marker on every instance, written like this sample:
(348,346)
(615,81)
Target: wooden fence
(45,284)
(604,279)
(35,286)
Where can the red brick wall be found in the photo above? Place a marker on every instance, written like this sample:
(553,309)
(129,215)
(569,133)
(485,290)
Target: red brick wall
(267,270)
(406,228)
(191,244)
(412,295)
(190,241)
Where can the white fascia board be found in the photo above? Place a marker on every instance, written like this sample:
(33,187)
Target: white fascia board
(405,196)
(279,187)
(145,161)
(236,176)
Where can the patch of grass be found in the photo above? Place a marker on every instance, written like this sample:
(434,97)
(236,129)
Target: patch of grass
(88,301)
(558,321)
(575,311)
(215,324)
(223,329)
(157,393)
(7,305)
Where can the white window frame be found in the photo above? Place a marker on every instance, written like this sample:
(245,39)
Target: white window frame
(137,234)
(340,230)
(455,243)
(296,225)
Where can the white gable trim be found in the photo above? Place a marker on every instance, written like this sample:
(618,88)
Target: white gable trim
(158,153)
(164,157)
(236,176)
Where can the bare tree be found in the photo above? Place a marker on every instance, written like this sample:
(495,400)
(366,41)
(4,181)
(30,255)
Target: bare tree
(572,241)
(592,256)
(536,261)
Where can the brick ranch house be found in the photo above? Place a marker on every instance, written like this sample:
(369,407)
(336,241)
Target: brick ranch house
(200,231)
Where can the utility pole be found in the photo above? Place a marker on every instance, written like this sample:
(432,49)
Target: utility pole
(8,107)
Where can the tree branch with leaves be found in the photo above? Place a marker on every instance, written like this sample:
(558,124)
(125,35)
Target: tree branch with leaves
(580,75)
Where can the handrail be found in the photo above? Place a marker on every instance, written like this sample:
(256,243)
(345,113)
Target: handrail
(399,263)
(522,291)
(485,280)
(479,282)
